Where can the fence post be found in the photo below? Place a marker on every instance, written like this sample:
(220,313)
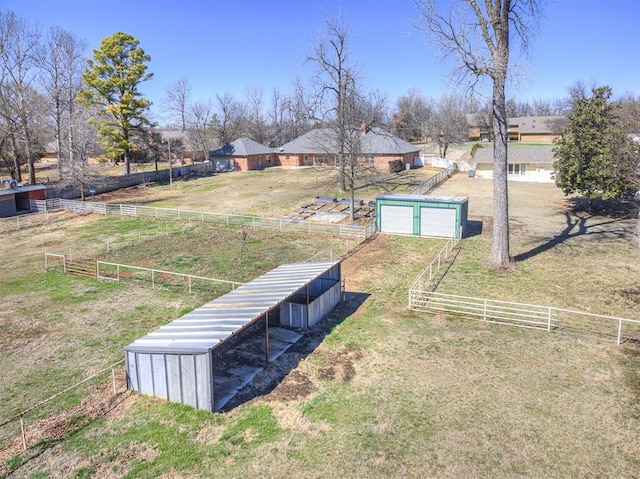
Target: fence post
(153,279)
(24,435)
(619,331)
(113,377)
(189,284)
(484,312)
(549,320)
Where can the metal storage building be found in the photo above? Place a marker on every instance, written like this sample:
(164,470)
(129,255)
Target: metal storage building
(176,362)
(419,215)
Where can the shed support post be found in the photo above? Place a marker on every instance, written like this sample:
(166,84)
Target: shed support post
(266,337)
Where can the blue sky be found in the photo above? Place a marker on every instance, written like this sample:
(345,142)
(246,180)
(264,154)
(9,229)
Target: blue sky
(228,46)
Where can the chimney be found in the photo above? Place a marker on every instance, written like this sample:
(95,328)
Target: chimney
(363,128)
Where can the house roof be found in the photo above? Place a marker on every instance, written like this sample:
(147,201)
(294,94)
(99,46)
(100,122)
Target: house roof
(242,147)
(534,154)
(375,141)
(538,124)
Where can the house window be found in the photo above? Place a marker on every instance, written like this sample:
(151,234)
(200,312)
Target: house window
(369,160)
(286,157)
(517,169)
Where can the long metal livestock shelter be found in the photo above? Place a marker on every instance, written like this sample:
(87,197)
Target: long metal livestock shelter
(177,361)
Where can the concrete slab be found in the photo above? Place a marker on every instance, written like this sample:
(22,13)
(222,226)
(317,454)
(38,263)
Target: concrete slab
(329,217)
(227,382)
(285,335)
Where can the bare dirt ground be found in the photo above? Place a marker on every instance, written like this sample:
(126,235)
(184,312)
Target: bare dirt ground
(537,211)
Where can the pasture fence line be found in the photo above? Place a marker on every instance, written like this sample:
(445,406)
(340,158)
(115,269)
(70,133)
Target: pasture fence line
(18,222)
(21,415)
(358,232)
(524,315)
(113,272)
(426,278)
(434,181)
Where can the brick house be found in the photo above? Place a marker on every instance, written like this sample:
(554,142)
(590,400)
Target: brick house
(243,154)
(318,147)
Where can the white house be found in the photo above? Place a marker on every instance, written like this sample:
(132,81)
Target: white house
(531,163)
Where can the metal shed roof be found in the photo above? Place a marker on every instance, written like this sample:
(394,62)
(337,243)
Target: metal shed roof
(205,327)
(424,198)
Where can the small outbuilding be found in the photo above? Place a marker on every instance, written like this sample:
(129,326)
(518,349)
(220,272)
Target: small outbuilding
(178,362)
(16,199)
(420,215)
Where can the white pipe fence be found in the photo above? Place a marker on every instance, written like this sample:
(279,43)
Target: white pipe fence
(281,224)
(425,279)
(524,315)
(114,271)
(434,181)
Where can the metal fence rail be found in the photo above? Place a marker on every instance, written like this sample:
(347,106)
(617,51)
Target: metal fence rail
(281,224)
(525,315)
(114,272)
(426,279)
(434,181)
(21,416)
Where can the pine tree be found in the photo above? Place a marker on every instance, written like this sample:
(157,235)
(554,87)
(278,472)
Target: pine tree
(111,80)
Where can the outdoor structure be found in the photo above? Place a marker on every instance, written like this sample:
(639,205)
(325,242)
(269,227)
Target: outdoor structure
(533,164)
(378,148)
(178,362)
(243,154)
(17,199)
(419,215)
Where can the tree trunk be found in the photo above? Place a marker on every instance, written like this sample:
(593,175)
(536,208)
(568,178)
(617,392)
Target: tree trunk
(635,239)
(127,162)
(499,257)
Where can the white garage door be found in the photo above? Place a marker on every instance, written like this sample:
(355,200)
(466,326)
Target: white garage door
(438,222)
(396,219)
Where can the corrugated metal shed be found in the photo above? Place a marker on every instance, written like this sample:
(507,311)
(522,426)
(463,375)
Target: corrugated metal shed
(420,215)
(175,361)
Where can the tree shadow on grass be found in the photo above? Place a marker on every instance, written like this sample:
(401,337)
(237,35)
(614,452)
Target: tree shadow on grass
(581,220)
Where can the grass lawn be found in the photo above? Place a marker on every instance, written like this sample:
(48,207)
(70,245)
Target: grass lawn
(387,393)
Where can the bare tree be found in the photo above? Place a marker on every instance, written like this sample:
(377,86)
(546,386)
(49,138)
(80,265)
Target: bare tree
(411,117)
(60,59)
(256,122)
(231,118)
(448,122)
(336,87)
(478,35)
(630,112)
(18,43)
(201,126)
(175,102)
